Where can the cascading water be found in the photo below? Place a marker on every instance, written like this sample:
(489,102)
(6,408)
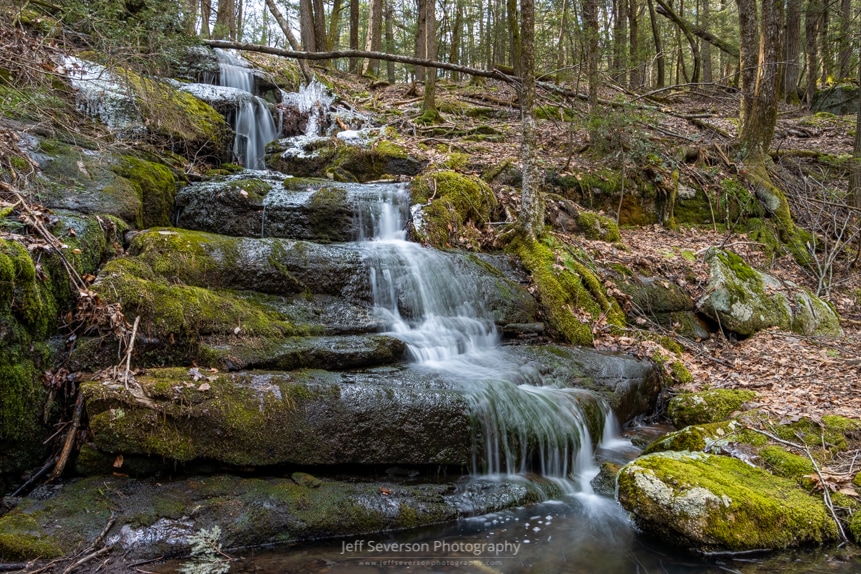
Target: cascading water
(252,121)
(521,425)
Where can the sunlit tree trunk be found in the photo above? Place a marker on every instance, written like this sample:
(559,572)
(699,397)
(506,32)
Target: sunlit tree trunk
(429,100)
(560,43)
(421,40)
(332,37)
(592,32)
(514,36)
(454,56)
(374,40)
(390,41)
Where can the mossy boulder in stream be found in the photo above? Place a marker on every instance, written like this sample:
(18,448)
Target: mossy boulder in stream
(720,503)
(260,419)
(155,519)
(745,301)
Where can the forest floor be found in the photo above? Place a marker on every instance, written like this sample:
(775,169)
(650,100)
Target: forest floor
(794,375)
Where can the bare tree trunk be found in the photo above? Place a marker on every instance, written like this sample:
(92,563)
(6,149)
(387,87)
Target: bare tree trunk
(429,101)
(560,43)
(454,56)
(189,16)
(320,44)
(333,36)
(514,36)
(590,17)
(390,41)
(306,26)
(421,41)
(792,51)
(205,15)
(291,39)
(760,74)
(373,40)
(354,34)
(855,170)
(845,39)
(825,45)
(705,46)
(620,32)
(811,30)
(224,19)
(659,46)
(531,212)
(633,45)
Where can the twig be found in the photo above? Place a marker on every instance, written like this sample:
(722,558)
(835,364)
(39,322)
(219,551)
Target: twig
(41,472)
(825,494)
(70,437)
(13,566)
(87,558)
(129,353)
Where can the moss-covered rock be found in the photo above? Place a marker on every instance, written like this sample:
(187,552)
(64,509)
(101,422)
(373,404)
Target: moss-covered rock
(570,292)
(717,502)
(154,184)
(703,437)
(566,216)
(306,418)
(154,519)
(454,208)
(338,161)
(745,301)
(707,406)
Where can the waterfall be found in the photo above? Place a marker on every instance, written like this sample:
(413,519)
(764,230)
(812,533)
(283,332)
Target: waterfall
(252,120)
(522,425)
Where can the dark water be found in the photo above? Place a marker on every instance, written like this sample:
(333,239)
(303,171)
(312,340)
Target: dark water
(581,534)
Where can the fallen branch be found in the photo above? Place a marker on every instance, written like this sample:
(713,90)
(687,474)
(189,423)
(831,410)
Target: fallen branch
(70,438)
(87,558)
(39,474)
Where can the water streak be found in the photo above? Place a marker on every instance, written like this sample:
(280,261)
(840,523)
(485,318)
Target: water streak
(428,301)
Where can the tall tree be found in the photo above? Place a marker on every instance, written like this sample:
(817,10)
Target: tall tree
(792,51)
(706,47)
(812,17)
(514,36)
(225,20)
(659,47)
(306,26)
(390,40)
(374,38)
(531,212)
(456,31)
(354,33)
(634,44)
(429,50)
(845,40)
(291,38)
(592,33)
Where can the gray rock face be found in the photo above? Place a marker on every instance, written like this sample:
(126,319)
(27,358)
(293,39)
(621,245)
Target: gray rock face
(261,419)
(745,301)
(154,519)
(264,207)
(839,100)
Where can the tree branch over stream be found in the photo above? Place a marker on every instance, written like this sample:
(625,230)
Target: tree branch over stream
(497,74)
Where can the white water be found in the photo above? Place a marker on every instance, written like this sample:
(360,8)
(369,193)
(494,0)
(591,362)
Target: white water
(252,121)
(428,302)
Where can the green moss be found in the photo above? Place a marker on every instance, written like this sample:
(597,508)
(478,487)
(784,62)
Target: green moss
(154,184)
(456,205)
(697,437)
(21,538)
(456,161)
(570,293)
(596,226)
(786,464)
(721,502)
(706,406)
(328,206)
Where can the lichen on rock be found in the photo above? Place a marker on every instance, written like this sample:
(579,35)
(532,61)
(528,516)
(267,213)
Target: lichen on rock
(716,502)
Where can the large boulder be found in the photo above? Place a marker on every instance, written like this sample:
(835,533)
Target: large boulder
(268,206)
(261,419)
(744,300)
(710,406)
(154,519)
(840,100)
(720,503)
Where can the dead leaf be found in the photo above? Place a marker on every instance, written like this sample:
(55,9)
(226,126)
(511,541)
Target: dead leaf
(203,387)
(118,462)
